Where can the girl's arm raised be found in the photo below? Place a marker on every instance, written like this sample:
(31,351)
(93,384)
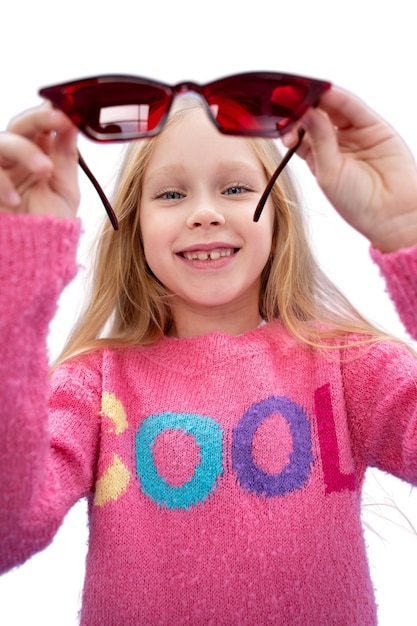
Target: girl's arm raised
(47,455)
(363,167)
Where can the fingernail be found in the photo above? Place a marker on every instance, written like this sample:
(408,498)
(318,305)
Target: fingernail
(11,198)
(40,162)
(306,119)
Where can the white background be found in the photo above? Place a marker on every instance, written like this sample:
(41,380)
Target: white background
(365,46)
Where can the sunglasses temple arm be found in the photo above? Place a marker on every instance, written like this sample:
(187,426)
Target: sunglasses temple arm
(287,157)
(103,198)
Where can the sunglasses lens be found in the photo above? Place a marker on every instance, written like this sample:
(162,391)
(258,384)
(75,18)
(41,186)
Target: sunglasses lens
(113,109)
(261,104)
(119,108)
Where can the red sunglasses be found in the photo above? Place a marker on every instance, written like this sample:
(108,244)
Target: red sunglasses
(122,108)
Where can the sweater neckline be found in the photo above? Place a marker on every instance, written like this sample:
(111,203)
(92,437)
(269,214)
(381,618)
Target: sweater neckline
(213,348)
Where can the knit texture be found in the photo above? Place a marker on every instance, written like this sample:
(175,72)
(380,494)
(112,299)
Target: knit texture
(223,473)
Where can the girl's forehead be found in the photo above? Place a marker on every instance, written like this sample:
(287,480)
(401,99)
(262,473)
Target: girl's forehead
(192,124)
(192,136)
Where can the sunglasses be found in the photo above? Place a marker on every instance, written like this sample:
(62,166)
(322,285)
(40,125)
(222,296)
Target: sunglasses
(119,108)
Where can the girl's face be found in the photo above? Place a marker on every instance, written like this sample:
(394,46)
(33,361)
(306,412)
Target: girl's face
(199,194)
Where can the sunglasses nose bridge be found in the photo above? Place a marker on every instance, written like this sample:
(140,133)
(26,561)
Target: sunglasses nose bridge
(190,89)
(195,91)
(187,87)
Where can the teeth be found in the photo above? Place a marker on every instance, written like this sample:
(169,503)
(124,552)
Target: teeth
(201,255)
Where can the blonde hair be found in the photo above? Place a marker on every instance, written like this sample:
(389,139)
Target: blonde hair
(129,306)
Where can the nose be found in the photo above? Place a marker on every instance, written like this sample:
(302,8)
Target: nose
(205,216)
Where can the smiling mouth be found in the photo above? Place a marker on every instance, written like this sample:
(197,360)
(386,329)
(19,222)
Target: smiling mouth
(208,255)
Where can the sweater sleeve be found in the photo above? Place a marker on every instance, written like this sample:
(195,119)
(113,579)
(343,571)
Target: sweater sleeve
(399,270)
(380,383)
(42,473)
(381,380)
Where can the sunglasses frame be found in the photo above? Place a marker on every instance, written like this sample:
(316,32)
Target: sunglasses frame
(61,96)
(64,97)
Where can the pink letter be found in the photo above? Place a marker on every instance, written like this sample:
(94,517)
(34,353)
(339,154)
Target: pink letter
(333,477)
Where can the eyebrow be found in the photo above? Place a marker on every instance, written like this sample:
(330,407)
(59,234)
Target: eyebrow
(165,170)
(178,168)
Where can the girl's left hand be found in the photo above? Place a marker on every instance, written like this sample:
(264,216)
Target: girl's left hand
(364,168)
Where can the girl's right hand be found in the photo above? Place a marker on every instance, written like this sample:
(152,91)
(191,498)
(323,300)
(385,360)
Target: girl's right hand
(39,164)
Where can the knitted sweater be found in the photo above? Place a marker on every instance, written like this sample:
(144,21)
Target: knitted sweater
(223,473)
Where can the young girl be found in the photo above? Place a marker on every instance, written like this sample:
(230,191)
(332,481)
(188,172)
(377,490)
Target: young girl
(219,402)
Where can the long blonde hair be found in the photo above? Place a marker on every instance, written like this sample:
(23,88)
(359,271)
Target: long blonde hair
(129,306)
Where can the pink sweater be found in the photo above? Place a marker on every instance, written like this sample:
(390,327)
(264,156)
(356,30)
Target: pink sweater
(223,474)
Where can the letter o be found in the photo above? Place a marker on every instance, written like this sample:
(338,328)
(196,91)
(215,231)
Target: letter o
(208,436)
(295,473)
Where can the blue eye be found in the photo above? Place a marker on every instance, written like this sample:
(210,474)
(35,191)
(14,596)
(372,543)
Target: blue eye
(237,190)
(234,191)
(169,194)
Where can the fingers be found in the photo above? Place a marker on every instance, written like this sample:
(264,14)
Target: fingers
(341,124)
(346,110)
(16,149)
(9,198)
(48,129)
(42,119)
(319,147)
(38,165)
(322,138)
(37,144)
(18,154)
